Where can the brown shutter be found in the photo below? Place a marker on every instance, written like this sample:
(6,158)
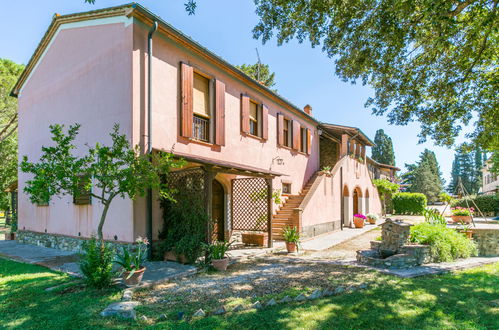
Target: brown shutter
(187,76)
(280,129)
(296,135)
(265,122)
(219,113)
(245,108)
(309,138)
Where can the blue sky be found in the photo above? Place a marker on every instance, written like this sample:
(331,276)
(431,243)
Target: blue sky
(303,74)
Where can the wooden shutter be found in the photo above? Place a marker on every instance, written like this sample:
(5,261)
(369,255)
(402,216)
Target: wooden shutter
(219,113)
(296,135)
(309,138)
(265,122)
(245,108)
(280,129)
(82,196)
(187,77)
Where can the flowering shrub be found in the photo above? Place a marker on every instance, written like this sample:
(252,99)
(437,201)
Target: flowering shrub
(462,211)
(360,216)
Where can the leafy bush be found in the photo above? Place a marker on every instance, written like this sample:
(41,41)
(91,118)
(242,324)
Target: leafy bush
(386,189)
(433,216)
(409,203)
(96,263)
(446,244)
(184,226)
(486,203)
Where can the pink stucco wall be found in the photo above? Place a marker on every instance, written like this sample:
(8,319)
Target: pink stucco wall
(84,77)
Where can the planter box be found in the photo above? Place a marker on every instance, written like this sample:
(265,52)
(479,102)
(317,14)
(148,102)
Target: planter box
(461,218)
(259,239)
(172,256)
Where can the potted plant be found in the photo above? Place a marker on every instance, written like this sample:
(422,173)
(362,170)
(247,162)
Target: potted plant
(372,218)
(292,238)
(465,228)
(462,214)
(131,260)
(358,220)
(218,255)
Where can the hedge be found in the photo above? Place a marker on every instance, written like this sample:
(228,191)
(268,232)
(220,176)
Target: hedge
(488,204)
(409,203)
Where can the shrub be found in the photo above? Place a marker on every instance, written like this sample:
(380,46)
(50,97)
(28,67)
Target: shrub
(96,263)
(446,244)
(486,203)
(409,203)
(433,216)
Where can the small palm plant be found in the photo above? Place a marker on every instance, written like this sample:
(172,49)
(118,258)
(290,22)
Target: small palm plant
(132,261)
(291,236)
(217,252)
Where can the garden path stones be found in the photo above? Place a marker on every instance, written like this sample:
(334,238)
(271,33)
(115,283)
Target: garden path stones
(300,297)
(271,302)
(238,308)
(315,295)
(220,311)
(328,292)
(144,318)
(162,317)
(286,300)
(494,303)
(124,309)
(256,305)
(339,290)
(199,313)
(127,295)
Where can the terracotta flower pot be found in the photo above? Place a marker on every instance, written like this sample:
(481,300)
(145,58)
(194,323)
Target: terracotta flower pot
(468,233)
(291,247)
(135,279)
(358,222)
(259,239)
(220,264)
(461,218)
(371,221)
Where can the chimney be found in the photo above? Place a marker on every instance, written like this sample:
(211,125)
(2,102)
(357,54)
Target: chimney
(308,109)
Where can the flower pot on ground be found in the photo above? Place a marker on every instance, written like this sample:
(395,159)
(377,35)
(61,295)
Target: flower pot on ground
(462,214)
(256,238)
(358,220)
(131,260)
(291,236)
(217,252)
(372,218)
(465,228)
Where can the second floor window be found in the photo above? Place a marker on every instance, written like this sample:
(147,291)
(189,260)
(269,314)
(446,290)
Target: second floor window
(287,132)
(201,108)
(303,140)
(254,119)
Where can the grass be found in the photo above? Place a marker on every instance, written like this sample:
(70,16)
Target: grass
(450,301)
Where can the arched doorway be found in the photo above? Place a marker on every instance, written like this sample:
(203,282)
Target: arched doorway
(345,195)
(218,210)
(357,196)
(367,201)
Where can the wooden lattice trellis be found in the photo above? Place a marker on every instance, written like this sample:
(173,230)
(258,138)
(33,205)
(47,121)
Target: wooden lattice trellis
(250,207)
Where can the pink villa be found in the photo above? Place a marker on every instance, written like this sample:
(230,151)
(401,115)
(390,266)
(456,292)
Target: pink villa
(237,136)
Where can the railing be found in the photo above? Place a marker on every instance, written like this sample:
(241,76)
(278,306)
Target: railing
(200,128)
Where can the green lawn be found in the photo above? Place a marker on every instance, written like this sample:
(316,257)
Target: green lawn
(452,301)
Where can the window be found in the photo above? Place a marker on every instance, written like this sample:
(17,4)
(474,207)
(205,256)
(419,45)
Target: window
(303,140)
(287,132)
(253,119)
(201,108)
(286,188)
(83,196)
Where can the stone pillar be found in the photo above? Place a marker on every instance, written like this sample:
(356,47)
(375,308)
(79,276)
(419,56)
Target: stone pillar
(348,215)
(344,145)
(363,153)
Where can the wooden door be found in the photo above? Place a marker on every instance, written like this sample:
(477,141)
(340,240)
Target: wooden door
(217,211)
(355,202)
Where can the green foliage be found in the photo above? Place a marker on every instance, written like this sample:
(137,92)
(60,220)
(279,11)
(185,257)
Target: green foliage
(116,171)
(372,216)
(382,152)
(131,259)
(218,250)
(467,166)
(425,176)
(96,263)
(409,203)
(9,73)
(432,61)
(433,216)
(485,203)
(385,189)
(445,197)
(260,72)
(446,244)
(184,225)
(291,235)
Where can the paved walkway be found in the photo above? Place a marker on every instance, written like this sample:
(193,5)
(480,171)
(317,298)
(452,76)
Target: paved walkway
(327,241)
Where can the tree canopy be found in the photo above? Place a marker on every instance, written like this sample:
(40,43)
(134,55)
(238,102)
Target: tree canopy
(425,176)
(260,72)
(382,152)
(434,61)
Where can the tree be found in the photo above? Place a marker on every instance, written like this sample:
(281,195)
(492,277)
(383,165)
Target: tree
(477,175)
(9,72)
(260,72)
(106,172)
(455,173)
(431,61)
(425,176)
(382,152)
(466,167)
(385,189)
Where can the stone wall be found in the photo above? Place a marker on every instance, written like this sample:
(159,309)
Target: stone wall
(487,241)
(61,242)
(322,228)
(394,234)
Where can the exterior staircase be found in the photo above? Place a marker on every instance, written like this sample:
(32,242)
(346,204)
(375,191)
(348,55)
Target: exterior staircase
(286,215)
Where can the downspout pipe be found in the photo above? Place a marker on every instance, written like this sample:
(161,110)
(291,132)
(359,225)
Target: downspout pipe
(153,29)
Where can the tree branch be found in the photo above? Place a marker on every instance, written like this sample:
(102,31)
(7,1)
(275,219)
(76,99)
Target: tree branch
(8,134)
(460,7)
(11,122)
